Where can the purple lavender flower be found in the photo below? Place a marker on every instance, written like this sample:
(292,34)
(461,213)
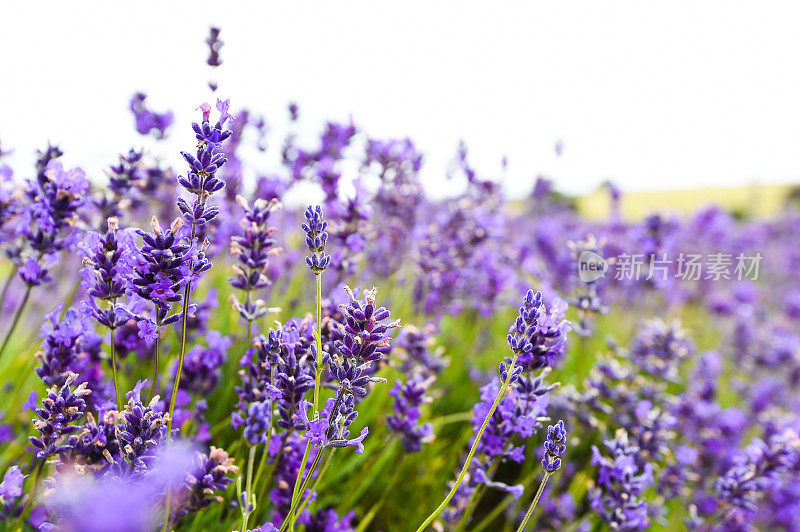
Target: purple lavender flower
(416,351)
(109,262)
(252,250)
(316,237)
(621,482)
(121,194)
(208,477)
(214,46)
(59,409)
(148,121)
(47,223)
(140,430)
(62,345)
(756,472)
(201,179)
(163,271)
(554,447)
(408,397)
(10,493)
(201,366)
(538,337)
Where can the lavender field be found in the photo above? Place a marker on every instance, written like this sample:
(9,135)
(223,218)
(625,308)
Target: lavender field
(202,347)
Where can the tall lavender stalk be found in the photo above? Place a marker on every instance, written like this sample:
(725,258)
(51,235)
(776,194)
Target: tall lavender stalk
(201,180)
(107,276)
(555,446)
(316,238)
(521,340)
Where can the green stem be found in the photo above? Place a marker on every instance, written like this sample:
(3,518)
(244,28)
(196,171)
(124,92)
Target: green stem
(475,498)
(156,354)
(15,321)
(318,379)
(248,492)
(175,389)
(298,488)
(472,450)
(364,523)
(316,483)
(7,284)
(499,508)
(535,502)
(292,517)
(114,371)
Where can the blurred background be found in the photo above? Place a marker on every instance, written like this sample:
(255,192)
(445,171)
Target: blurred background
(581,94)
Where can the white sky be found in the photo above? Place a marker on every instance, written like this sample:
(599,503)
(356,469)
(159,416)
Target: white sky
(650,94)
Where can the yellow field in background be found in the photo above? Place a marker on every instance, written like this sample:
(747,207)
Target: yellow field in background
(753,200)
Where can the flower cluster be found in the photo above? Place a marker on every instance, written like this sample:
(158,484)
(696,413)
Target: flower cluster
(60,408)
(148,121)
(315,227)
(620,485)
(252,251)
(408,398)
(163,271)
(554,447)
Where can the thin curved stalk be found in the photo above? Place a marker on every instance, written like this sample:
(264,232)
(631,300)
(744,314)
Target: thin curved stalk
(186,293)
(292,517)
(15,320)
(156,354)
(248,492)
(364,523)
(475,498)
(534,503)
(114,370)
(316,482)
(472,450)
(318,379)
(499,508)
(7,284)
(299,486)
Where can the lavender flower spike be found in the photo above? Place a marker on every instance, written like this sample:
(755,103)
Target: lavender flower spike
(316,238)
(524,336)
(554,448)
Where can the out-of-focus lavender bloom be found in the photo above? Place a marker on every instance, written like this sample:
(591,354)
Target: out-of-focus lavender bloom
(148,121)
(408,397)
(201,365)
(659,348)
(416,352)
(47,222)
(89,503)
(756,472)
(208,476)
(621,482)
(140,430)
(60,408)
(63,343)
(10,493)
(121,194)
(252,251)
(214,46)
(329,521)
